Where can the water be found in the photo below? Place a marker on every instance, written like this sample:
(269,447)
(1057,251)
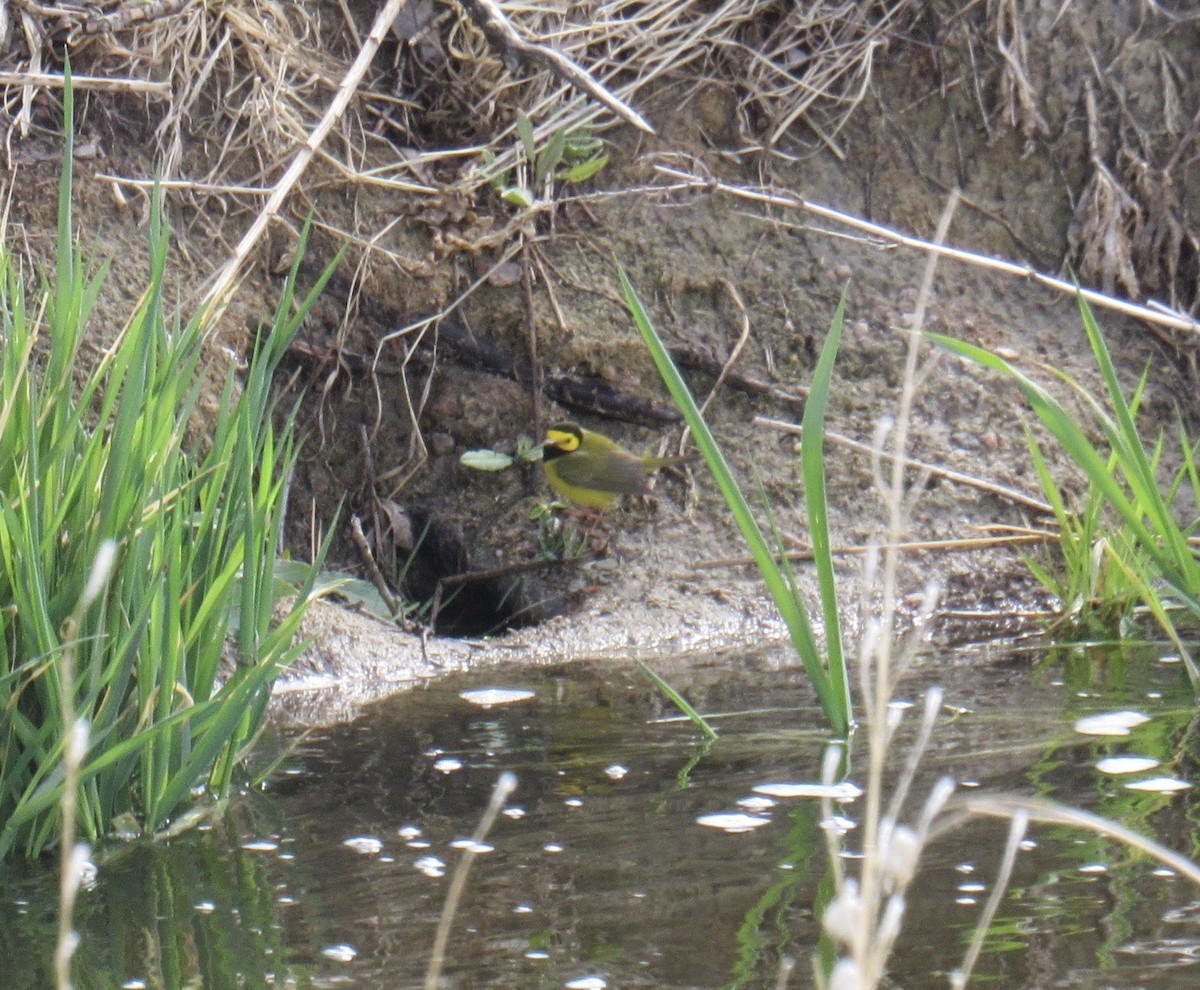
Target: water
(598,872)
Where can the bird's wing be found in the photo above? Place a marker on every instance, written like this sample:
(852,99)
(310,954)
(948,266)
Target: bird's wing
(620,473)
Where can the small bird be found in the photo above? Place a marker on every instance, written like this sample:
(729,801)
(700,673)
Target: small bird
(593,471)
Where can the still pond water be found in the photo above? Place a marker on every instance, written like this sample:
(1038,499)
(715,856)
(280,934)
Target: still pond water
(599,873)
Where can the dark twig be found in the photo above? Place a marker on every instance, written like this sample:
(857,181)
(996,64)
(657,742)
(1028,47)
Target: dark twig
(687,356)
(372,569)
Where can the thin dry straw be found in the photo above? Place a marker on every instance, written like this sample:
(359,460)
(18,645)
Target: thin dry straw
(500,793)
(871,939)
(105,83)
(1016,832)
(74,855)
(1152,313)
(933,707)
(949,474)
(349,86)
(961,809)
(1013,538)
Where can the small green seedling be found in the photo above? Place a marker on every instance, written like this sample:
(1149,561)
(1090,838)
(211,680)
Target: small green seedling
(578,149)
(559,536)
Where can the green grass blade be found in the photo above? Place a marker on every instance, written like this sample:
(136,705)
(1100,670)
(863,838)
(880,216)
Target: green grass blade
(790,608)
(679,701)
(1150,539)
(1056,419)
(812,462)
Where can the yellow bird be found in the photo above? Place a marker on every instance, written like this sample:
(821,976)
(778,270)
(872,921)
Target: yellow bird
(591,470)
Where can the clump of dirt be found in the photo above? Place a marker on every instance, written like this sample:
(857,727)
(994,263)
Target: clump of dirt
(461,320)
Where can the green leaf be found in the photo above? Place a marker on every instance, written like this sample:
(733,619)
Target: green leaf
(584,170)
(812,463)
(679,701)
(518,196)
(550,156)
(525,133)
(486,460)
(582,143)
(529,451)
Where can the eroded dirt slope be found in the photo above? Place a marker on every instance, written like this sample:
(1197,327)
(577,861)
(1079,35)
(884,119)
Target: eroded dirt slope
(712,266)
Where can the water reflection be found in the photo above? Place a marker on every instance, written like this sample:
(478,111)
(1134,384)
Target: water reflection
(194,914)
(599,872)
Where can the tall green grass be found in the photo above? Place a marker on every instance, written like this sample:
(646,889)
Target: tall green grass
(1126,542)
(826,670)
(92,456)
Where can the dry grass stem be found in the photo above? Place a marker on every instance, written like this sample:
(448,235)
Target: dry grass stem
(933,708)
(964,808)
(866,914)
(1156,313)
(505,785)
(223,285)
(52,80)
(968,543)
(422,324)
(1016,832)
(744,318)
(991,487)
(899,495)
(204,188)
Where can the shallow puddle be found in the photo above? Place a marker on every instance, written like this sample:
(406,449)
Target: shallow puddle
(631,854)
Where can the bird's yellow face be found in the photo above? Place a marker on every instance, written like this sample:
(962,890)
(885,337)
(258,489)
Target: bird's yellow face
(561,438)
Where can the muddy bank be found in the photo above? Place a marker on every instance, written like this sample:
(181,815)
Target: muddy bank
(391,399)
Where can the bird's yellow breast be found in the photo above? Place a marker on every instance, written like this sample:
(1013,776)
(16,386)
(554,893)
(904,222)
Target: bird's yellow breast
(590,498)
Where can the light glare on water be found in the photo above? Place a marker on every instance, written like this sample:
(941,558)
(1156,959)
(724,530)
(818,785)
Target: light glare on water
(601,867)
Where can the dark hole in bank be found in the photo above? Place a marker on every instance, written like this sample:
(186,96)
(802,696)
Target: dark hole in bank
(458,596)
